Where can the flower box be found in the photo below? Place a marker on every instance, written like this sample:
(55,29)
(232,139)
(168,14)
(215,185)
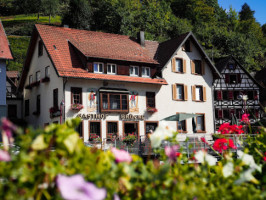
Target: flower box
(76,106)
(35,84)
(152,110)
(54,112)
(95,138)
(45,79)
(129,139)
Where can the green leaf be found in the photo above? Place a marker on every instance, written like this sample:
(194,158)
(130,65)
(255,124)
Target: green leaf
(71,142)
(39,143)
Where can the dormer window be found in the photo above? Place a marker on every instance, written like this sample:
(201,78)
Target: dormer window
(187,46)
(98,67)
(146,72)
(231,67)
(38,76)
(111,69)
(134,71)
(233,79)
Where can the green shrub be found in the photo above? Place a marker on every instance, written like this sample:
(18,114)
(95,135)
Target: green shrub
(44,154)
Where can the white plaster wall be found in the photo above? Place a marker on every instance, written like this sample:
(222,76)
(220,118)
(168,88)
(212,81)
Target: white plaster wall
(170,107)
(44,89)
(141,89)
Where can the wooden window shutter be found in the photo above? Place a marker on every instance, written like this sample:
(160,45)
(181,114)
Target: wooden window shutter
(174,91)
(153,71)
(173,64)
(220,114)
(105,68)
(256,95)
(257,113)
(230,95)
(90,66)
(184,66)
(185,93)
(193,93)
(202,67)
(204,94)
(219,95)
(226,78)
(192,64)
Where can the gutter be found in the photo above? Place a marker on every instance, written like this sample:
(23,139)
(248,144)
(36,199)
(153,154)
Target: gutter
(64,98)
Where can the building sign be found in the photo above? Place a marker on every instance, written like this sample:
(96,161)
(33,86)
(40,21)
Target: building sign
(131,117)
(92,116)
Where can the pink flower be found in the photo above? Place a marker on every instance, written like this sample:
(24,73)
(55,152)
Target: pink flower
(76,188)
(170,152)
(8,127)
(4,156)
(226,128)
(121,155)
(245,118)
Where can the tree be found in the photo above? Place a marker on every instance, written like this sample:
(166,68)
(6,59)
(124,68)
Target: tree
(246,13)
(263,27)
(50,7)
(78,15)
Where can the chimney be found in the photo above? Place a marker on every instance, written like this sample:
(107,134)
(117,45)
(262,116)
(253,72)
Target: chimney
(141,38)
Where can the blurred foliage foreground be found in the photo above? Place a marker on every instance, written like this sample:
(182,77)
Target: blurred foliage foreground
(54,164)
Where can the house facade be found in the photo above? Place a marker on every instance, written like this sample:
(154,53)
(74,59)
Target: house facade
(236,93)
(5,54)
(117,85)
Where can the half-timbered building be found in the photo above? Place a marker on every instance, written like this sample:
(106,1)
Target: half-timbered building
(236,93)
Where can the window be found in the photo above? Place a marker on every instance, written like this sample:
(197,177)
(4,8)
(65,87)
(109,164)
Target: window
(250,95)
(218,113)
(236,95)
(79,129)
(12,111)
(226,114)
(200,123)
(199,93)
(95,130)
(233,79)
(225,95)
(134,71)
(150,126)
(179,92)
(111,69)
(112,130)
(131,128)
(150,99)
(146,72)
(55,98)
(231,66)
(178,65)
(187,46)
(40,48)
(38,104)
(198,67)
(30,79)
(27,107)
(98,67)
(47,71)
(38,76)
(181,126)
(76,95)
(114,102)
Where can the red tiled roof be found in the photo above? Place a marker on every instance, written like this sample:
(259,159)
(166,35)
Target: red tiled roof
(12,74)
(5,52)
(60,43)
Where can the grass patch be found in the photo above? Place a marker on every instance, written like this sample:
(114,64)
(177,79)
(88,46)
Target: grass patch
(31,17)
(19,46)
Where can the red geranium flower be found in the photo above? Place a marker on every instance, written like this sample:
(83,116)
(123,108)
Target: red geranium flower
(223,144)
(226,128)
(204,140)
(245,118)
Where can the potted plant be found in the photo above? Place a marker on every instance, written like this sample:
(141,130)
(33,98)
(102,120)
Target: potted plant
(54,112)
(95,138)
(76,106)
(129,139)
(152,110)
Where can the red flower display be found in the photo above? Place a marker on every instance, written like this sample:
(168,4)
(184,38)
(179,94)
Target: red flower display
(226,128)
(223,144)
(203,140)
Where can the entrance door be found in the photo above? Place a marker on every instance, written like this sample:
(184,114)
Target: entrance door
(131,127)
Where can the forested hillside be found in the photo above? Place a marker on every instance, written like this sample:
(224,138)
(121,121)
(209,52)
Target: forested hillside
(220,32)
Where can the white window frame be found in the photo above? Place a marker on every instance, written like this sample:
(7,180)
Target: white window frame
(47,71)
(110,65)
(38,76)
(144,69)
(30,79)
(135,69)
(199,93)
(98,68)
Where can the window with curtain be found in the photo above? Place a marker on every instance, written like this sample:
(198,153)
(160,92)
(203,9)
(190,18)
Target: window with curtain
(114,102)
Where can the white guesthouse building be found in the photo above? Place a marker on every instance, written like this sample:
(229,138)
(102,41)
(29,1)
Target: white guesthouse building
(116,84)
